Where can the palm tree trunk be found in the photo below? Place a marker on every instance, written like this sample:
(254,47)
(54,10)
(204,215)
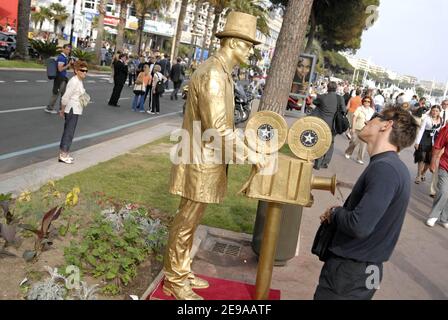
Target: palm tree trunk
(194,37)
(311,35)
(100,30)
(121,25)
(286,56)
(23,25)
(204,40)
(140,33)
(215,28)
(180,24)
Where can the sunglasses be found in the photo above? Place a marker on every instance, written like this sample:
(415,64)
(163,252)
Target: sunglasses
(84,70)
(367,101)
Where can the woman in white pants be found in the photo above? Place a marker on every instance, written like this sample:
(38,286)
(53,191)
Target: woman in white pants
(71,109)
(362,114)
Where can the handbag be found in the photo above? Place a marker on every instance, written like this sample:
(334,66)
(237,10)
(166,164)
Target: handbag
(139,89)
(84,99)
(322,240)
(340,121)
(160,85)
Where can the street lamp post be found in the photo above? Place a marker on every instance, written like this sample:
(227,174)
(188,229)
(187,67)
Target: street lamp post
(73,22)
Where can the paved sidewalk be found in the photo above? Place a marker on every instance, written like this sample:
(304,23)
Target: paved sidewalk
(417,269)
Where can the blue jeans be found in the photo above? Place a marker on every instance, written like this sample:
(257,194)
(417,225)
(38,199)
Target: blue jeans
(139,101)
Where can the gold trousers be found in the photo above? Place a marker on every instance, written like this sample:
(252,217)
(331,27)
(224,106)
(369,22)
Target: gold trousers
(177,263)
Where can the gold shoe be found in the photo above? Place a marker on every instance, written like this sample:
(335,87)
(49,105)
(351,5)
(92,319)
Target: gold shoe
(181,293)
(197,283)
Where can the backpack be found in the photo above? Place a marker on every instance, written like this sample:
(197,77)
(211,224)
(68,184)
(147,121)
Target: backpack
(52,68)
(160,86)
(340,121)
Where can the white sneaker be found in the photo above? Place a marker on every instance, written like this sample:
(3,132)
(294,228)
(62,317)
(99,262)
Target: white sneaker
(347,156)
(431,222)
(360,162)
(445,225)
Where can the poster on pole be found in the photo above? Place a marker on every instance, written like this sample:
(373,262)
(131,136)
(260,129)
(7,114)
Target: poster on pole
(303,77)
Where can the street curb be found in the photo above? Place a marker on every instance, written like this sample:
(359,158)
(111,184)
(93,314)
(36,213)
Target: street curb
(32,177)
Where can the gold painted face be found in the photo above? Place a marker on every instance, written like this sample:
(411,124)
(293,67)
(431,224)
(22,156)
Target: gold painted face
(243,50)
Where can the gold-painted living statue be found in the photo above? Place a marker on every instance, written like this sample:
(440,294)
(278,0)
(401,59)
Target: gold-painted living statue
(211,102)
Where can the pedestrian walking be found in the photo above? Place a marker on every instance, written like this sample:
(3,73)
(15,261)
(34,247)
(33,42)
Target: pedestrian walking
(362,114)
(73,102)
(368,225)
(379,101)
(439,161)
(60,82)
(132,70)
(326,107)
(428,132)
(103,55)
(354,103)
(434,181)
(177,75)
(120,75)
(140,87)
(158,87)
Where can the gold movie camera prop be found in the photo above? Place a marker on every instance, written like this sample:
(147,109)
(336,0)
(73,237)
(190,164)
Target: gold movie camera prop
(291,183)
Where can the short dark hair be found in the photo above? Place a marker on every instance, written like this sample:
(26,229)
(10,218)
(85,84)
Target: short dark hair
(358,92)
(179,60)
(122,55)
(332,86)
(404,130)
(67,45)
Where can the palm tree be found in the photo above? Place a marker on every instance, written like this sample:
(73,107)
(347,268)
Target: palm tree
(180,24)
(246,6)
(289,44)
(23,25)
(198,8)
(210,11)
(59,15)
(100,29)
(143,7)
(37,18)
(124,4)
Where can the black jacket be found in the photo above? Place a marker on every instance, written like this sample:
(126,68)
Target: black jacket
(165,65)
(326,107)
(177,73)
(120,72)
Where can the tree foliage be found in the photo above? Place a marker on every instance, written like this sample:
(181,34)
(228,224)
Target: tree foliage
(338,24)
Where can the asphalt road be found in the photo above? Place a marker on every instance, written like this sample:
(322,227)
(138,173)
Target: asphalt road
(29,135)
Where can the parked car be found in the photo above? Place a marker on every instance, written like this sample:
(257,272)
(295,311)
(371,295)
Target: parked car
(8,42)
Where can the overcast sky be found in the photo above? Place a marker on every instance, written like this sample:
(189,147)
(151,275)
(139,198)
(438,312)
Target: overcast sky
(411,38)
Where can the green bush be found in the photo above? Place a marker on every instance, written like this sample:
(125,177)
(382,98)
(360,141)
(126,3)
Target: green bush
(45,49)
(83,55)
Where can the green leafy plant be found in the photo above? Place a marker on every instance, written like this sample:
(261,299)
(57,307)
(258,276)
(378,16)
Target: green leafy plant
(83,55)
(42,234)
(8,230)
(45,49)
(115,244)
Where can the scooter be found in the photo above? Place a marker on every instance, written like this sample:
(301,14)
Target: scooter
(242,104)
(293,104)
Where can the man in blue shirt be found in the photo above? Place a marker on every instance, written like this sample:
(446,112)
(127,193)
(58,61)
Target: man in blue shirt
(61,80)
(369,224)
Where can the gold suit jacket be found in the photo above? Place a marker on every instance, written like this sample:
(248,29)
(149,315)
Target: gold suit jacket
(210,101)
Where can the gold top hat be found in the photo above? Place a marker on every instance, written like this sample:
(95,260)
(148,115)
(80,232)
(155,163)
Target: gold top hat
(240,25)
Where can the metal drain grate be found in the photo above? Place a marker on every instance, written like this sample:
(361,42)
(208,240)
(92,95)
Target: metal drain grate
(227,249)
